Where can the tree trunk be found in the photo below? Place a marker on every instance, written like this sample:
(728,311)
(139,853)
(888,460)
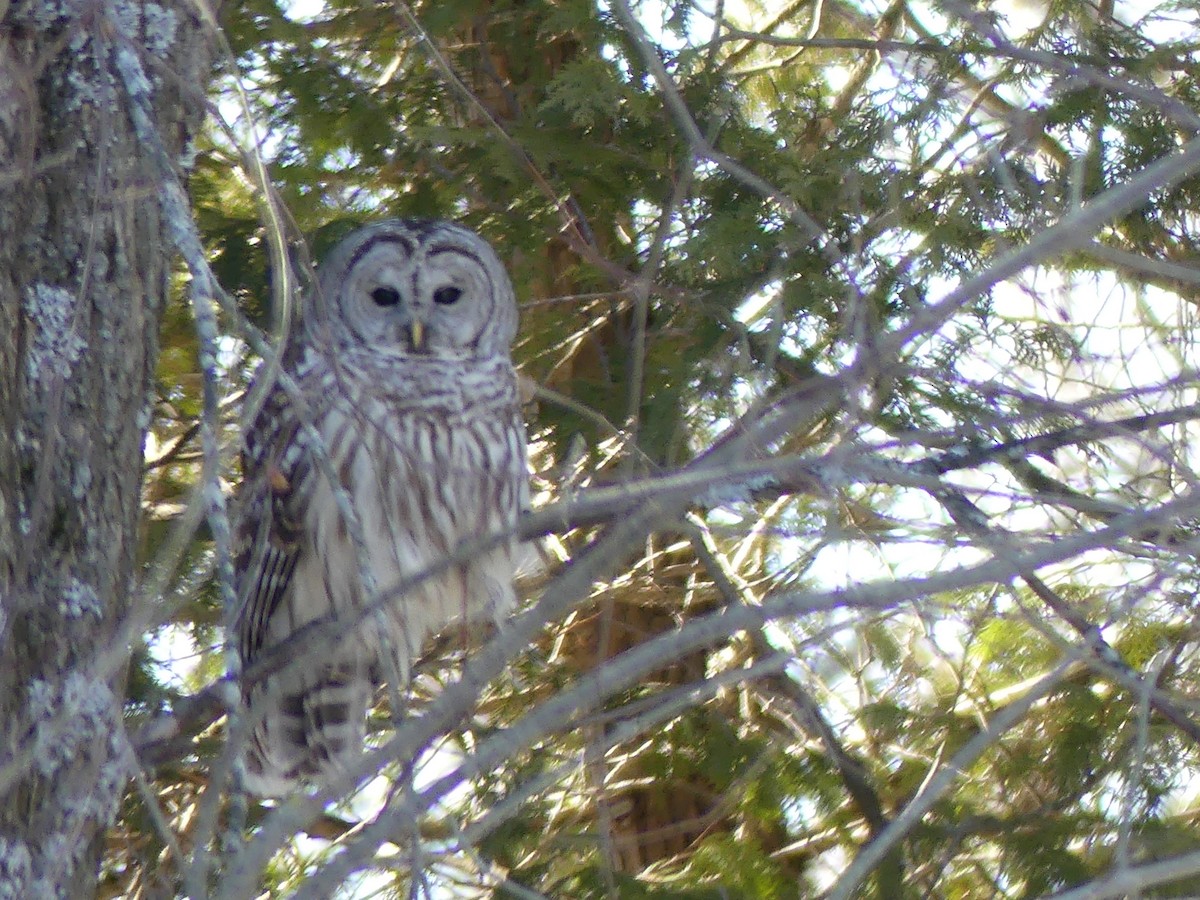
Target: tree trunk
(84,274)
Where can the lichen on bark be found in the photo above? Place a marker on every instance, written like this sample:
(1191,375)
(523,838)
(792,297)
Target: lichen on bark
(84,274)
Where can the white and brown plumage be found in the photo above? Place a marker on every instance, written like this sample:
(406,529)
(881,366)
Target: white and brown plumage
(404,384)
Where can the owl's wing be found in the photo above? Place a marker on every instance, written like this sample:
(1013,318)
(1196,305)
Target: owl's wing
(268,538)
(306,719)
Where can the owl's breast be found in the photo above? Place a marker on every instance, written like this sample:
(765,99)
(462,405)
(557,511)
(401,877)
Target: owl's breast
(421,482)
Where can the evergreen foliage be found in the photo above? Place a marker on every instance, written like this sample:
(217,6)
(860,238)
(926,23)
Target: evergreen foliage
(752,220)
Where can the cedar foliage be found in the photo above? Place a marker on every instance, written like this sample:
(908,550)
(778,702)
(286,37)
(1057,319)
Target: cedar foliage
(785,248)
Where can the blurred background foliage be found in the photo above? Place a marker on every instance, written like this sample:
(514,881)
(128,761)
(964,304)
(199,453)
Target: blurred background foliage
(881,153)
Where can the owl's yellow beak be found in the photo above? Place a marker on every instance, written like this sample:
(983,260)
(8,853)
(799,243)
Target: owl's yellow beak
(416,334)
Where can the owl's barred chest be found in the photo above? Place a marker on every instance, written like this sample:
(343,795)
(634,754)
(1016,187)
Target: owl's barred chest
(421,478)
(404,386)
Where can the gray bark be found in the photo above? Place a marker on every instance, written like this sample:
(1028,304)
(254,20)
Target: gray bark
(84,272)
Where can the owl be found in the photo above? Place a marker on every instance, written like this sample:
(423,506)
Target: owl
(396,399)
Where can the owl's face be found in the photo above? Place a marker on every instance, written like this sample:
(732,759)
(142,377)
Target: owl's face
(422,288)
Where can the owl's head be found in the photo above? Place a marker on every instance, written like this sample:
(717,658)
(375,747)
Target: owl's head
(417,287)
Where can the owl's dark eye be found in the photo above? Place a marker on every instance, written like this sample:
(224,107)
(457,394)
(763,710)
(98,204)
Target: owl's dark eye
(385,296)
(447,295)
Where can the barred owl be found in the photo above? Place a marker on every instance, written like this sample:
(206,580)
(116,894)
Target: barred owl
(399,384)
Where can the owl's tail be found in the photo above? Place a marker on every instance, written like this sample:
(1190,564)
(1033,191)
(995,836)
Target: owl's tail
(308,726)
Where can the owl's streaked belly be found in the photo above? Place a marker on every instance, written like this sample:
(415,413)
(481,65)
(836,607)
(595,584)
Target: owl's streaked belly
(418,489)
